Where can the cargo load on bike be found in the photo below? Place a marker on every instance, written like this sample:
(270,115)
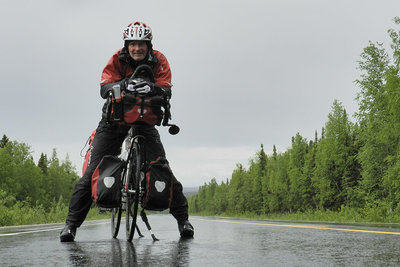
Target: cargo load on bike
(136,82)
(127,181)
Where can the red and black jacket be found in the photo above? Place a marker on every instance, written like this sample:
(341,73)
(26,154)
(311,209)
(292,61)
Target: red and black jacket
(121,66)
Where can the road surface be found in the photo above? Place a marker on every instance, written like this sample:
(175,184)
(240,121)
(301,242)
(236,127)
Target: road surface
(217,242)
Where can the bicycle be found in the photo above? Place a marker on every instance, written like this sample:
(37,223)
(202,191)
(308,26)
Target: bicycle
(135,165)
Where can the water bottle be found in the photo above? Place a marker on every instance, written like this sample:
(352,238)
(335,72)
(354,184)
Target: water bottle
(117,92)
(117,105)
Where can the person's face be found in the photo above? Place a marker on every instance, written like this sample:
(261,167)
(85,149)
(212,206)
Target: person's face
(138,50)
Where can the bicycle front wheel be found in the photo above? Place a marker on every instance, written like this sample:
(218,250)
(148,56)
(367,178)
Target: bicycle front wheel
(132,202)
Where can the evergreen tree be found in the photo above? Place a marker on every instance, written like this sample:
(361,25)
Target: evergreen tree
(43,163)
(220,198)
(390,179)
(299,184)
(4,141)
(236,198)
(308,172)
(253,187)
(274,153)
(333,159)
(378,119)
(278,199)
(262,157)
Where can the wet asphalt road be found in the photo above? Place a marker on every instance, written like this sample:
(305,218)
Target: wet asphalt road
(217,242)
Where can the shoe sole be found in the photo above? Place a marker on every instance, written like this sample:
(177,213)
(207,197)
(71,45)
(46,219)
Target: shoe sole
(67,238)
(187,233)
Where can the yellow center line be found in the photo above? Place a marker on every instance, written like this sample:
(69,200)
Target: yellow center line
(304,226)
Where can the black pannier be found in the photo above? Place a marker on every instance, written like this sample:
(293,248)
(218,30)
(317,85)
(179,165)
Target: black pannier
(106,182)
(158,185)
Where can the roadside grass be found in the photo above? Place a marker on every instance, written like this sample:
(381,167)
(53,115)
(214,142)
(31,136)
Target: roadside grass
(344,216)
(22,214)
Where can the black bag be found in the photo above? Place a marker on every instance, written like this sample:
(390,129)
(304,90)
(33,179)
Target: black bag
(158,185)
(136,109)
(106,182)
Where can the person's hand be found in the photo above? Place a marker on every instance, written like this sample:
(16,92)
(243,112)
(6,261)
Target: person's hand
(145,89)
(139,85)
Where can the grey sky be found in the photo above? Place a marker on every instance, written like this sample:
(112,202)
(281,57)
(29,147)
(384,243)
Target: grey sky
(244,72)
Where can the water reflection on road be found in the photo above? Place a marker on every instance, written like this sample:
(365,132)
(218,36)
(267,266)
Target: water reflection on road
(217,242)
(117,252)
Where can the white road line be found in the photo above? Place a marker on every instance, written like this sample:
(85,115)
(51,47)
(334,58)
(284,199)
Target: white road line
(46,230)
(30,232)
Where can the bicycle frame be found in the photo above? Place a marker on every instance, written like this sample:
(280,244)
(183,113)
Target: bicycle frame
(133,154)
(132,179)
(131,141)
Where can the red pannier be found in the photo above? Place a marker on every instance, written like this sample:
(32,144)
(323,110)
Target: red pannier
(158,185)
(86,161)
(106,182)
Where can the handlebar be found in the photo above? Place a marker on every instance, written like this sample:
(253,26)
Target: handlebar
(143,68)
(162,100)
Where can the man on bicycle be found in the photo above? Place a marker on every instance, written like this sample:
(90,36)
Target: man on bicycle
(137,50)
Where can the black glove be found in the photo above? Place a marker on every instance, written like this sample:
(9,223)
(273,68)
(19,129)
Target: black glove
(161,90)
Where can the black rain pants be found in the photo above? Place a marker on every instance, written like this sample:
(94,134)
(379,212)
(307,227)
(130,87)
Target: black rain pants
(107,141)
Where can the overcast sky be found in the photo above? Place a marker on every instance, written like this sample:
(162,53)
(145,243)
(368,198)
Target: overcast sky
(245,73)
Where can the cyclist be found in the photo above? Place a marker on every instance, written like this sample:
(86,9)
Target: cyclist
(137,50)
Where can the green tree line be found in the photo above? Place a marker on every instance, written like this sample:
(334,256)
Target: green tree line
(29,192)
(351,167)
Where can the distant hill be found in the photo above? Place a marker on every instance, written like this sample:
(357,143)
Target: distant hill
(190,191)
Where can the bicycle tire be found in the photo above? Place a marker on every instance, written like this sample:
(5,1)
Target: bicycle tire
(133,199)
(115,221)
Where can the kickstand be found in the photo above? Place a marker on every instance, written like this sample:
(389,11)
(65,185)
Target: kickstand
(138,231)
(146,221)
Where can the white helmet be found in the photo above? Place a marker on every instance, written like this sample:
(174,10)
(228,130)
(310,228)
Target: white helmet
(137,31)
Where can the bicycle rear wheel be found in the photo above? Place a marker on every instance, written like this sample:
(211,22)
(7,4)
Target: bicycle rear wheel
(132,199)
(115,221)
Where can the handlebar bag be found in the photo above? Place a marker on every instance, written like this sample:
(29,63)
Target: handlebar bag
(106,182)
(138,109)
(158,185)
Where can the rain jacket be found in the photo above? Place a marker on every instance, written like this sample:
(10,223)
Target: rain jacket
(121,66)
